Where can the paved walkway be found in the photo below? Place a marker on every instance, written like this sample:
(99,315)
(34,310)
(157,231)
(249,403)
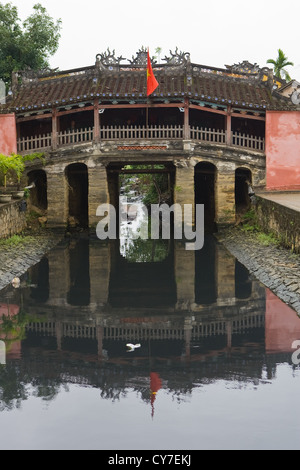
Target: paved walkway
(289,199)
(276,267)
(15,260)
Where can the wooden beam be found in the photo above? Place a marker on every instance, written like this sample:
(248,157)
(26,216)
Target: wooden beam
(73,111)
(54,129)
(248,116)
(224,113)
(58,114)
(186,124)
(141,105)
(208,110)
(33,118)
(228,126)
(96,121)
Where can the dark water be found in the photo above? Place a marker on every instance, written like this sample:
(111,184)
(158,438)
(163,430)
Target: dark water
(214,368)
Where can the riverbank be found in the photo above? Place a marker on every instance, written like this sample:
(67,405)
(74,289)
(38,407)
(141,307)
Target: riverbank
(20,252)
(276,267)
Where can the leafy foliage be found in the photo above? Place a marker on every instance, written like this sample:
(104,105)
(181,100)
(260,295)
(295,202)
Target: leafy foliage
(28,45)
(15,165)
(279,65)
(154,188)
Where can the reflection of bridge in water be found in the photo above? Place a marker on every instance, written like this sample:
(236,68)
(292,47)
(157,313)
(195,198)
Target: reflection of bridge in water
(199,319)
(85,290)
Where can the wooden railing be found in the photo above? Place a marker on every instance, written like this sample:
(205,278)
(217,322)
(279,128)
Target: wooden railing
(157,331)
(141,132)
(76,136)
(208,135)
(114,133)
(248,141)
(31,144)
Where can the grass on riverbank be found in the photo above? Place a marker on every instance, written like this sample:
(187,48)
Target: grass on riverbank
(249,224)
(16,240)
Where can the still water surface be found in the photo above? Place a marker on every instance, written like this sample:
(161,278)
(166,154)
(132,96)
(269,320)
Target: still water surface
(213,369)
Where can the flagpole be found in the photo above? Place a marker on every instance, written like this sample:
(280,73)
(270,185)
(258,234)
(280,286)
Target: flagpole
(147,118)
(147,108)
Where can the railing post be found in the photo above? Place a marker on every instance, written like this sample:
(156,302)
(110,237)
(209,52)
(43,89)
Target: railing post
(96,121)
(228,126)
(54,129)
(186,125)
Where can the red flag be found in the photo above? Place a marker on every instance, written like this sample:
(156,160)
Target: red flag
(155,385)
(152,83)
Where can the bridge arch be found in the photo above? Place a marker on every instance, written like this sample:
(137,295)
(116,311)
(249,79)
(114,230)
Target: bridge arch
(78,194)
(38,194)
(205,192)
(243,178)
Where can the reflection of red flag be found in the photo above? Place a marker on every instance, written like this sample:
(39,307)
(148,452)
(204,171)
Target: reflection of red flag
(155,385)
(152,83)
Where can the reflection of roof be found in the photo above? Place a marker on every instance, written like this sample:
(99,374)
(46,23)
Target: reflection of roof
(243,85)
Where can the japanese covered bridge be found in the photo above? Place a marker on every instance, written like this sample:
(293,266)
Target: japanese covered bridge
(206,126)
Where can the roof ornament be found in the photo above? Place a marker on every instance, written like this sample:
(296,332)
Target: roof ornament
(244,67)
(254,71)
(141,58)
(108,60)
(178,58)
(295,96)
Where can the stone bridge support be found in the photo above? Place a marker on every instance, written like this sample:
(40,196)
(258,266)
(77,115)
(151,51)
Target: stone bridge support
(98,190)
(225,194)
(58,192)
(57,196)
(184,186)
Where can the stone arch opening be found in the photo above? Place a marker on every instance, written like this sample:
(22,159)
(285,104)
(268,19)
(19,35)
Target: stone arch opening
(133,188)
(79,293)
(243,179)
(243,285)
(38,194)
(77,179)
(205,192)
(39,275)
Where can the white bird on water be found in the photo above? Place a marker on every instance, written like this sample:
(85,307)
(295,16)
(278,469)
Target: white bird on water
(131,347)
(16,283)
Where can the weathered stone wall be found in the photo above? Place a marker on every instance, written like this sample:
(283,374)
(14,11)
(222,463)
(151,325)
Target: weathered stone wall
(281,221)
(12,220)
(185,157)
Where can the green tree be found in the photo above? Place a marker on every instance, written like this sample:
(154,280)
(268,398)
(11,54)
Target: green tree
(26,45)
(279,65)
(158,51)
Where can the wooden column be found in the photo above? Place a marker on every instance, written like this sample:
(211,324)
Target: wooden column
(96,121)
(228,126)
(186,126)
(54,129)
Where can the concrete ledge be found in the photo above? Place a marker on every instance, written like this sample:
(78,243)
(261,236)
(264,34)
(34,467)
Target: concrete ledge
(12,220)
(280,214)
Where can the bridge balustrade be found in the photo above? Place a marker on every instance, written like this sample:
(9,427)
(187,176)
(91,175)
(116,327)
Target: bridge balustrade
(126,133)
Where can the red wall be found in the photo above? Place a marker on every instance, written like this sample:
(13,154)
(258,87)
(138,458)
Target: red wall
(282,325)
(8,134)
(283,149)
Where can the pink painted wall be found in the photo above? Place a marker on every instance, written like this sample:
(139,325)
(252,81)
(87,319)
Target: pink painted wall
(283,149)
(8,134)
(282,325)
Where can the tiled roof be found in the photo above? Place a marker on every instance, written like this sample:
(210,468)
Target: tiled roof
(220,87)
